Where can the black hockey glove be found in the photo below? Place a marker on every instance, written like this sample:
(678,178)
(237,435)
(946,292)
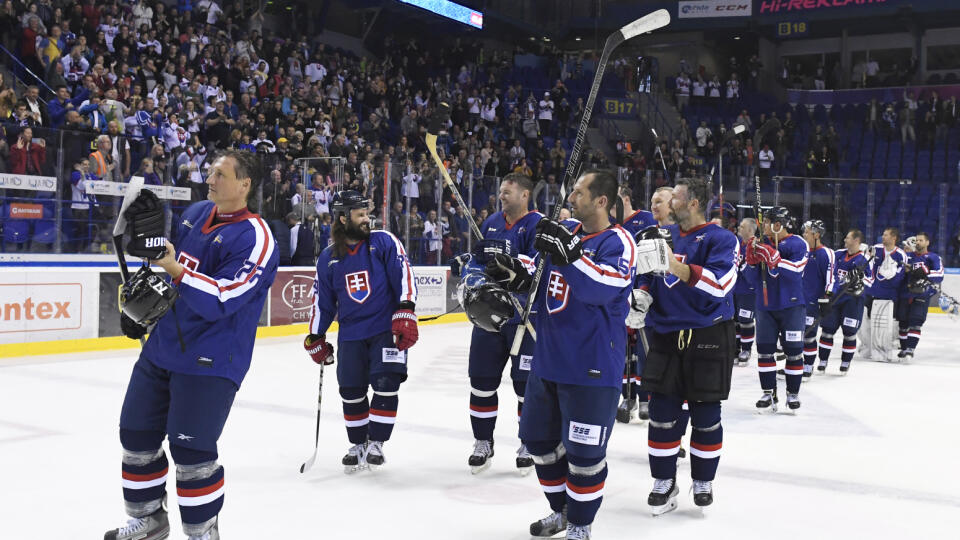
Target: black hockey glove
(145,219)
(458,263)
(131,329)
(554,239)
(509,273)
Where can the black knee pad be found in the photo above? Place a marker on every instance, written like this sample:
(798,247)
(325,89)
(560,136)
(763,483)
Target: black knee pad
(189,456)
(352,393)
(141,441)
(386,382)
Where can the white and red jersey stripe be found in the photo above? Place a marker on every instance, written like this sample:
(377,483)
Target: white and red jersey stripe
(246,277)
(604,273)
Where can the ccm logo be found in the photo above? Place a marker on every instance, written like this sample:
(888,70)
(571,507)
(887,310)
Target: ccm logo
(156,242)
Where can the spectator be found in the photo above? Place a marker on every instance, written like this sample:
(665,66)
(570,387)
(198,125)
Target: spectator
(683,91)
(907,117)
(733,88)
(302,241)
(59,105)
(81,207)
(36,108)
(766,159)
(28,155)
(704,134)
(102,162)
(432,232)
(545,116)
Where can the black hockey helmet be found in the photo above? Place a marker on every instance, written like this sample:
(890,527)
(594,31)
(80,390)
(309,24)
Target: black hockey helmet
(815,225)
(779,214)
(145,297)
(488,306)
(349,199)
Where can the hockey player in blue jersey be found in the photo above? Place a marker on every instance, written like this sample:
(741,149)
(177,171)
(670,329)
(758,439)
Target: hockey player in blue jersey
(634,400)
(365,281)
(686,299)
(925,271)
(817,287)
(780,260)
(222,263)
(745,294)
(883,280)
(510,231)
(844,306)
(572,391)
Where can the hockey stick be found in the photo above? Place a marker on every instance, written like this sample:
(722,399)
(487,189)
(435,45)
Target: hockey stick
(656,146)
(133,190)
(647,23)
(316,446)
(437,122)
(759,216)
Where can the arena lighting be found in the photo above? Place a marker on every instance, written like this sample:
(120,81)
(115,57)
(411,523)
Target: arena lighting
(450,10)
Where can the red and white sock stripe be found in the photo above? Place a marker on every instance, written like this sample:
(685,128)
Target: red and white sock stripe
(198,496)
(585,493)
(482,411)
(144,481)
(356,420)
(553,486)
(383,416)
(705,451)
(663,449)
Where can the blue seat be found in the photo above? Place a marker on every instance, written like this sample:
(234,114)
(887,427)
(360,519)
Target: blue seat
(15,231)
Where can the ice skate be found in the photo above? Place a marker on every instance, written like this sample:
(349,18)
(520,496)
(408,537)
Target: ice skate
(213,533)
(743,358)
(822,366)
(902,353)
(702,492)
(663,498)
(374,454)
(524,460)
(626,409)
(354,461)
(768,401)
(578,532)
(907,356)
(793,402)
(481,458)
(549,526)
(156,526)
(681,452)
(643,410)
(844,368)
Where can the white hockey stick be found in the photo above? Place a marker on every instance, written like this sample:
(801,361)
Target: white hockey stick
(647,23)
(133,189)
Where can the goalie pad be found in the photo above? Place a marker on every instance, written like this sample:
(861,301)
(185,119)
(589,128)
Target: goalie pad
(883,331)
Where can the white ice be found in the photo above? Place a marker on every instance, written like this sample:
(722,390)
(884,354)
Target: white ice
(870,455)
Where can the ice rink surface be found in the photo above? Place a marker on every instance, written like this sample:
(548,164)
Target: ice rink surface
(870,455)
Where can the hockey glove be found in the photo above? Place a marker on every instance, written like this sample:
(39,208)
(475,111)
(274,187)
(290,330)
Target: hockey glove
(404,326)
(867,251)
(555,240)
(763,253)
(145,217)
(131,329)
(458,263)
(319,350)
(487,248)
(654,232)
(653,256)
(509,273)
(640,302)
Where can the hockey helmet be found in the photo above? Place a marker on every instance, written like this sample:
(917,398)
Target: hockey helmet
(349,199)
(779,214)
(488,306)
(815,226)
(145,297)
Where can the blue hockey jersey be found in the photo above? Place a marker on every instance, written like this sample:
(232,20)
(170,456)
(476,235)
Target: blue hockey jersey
(581,308)
(707,298)
(932,265)
(745,284)
(843,264)
(519,237)
(885,288)
(229,264)
(818,274)
(363,288)
(785,282)
(638,221)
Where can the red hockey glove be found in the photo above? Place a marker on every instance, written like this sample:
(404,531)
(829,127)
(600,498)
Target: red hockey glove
(404,326)
(319,350)
(768,254)
(750,253)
